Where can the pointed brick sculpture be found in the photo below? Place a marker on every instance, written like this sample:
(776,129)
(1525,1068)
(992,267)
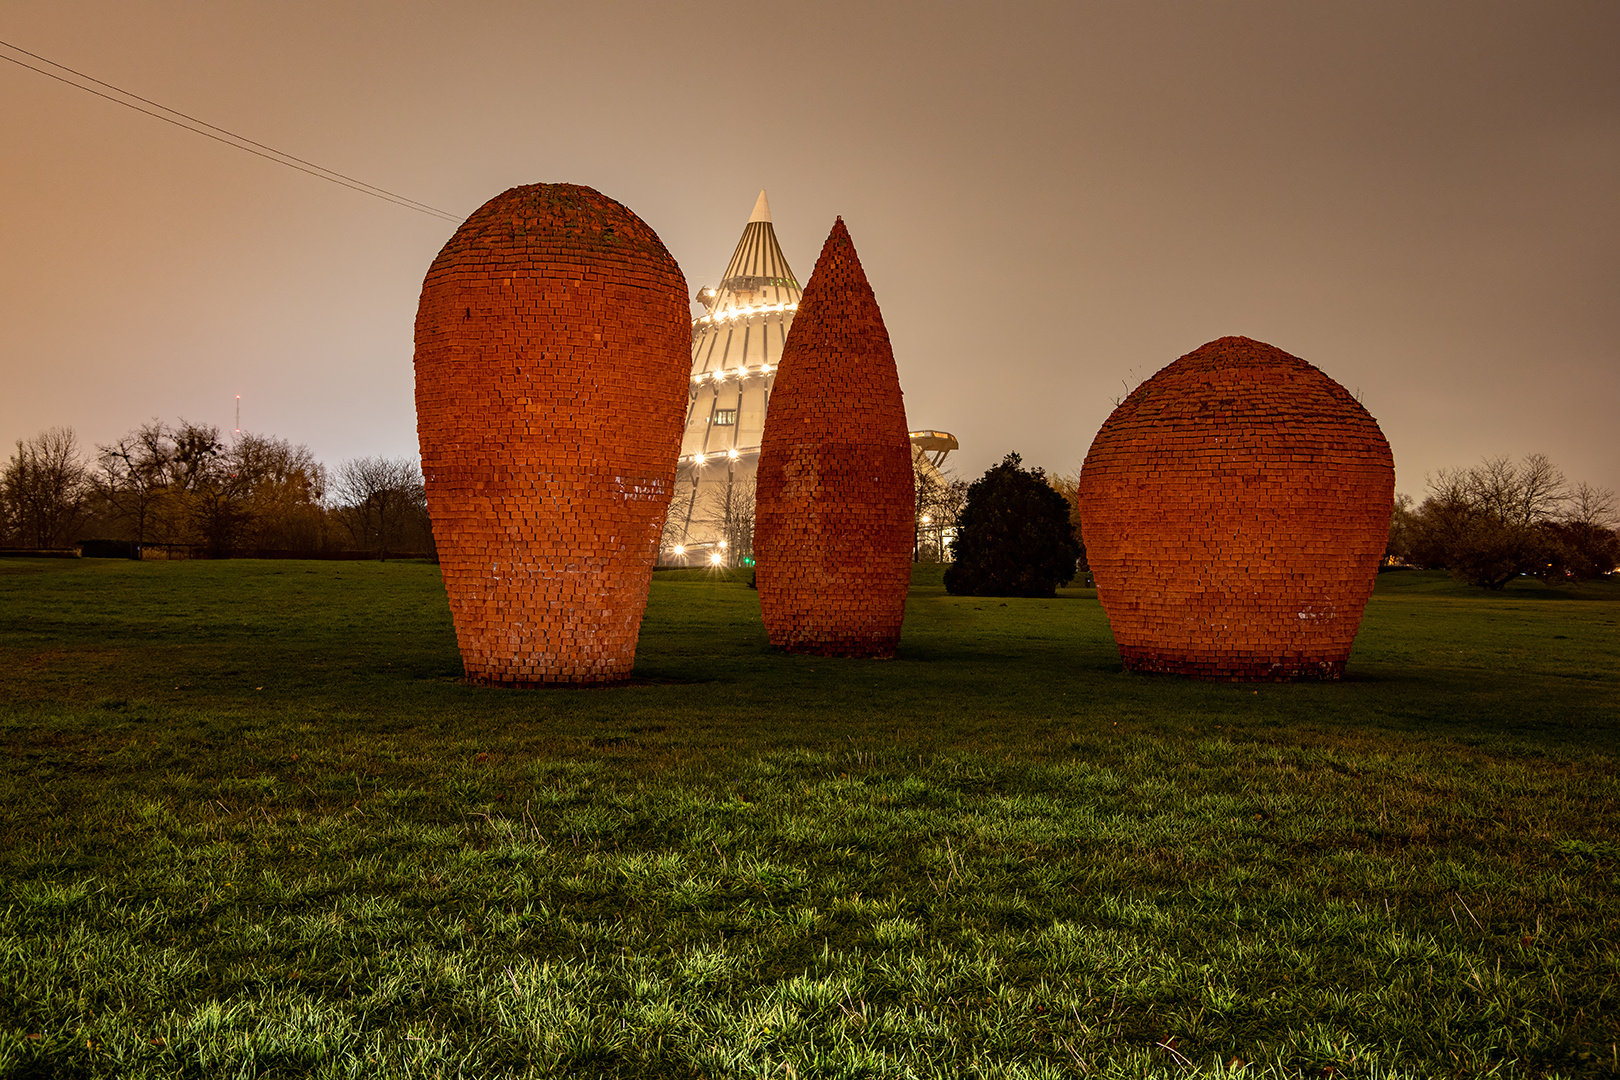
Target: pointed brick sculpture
(834,514)
(1235,509)
(551,369)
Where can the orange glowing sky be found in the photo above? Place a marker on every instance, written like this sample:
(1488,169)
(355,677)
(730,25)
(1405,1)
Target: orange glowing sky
(1051,200)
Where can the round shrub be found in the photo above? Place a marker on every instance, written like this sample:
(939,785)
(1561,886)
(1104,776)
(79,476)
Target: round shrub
(1013,536)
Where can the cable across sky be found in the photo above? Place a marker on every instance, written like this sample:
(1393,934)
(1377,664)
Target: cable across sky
(219,134)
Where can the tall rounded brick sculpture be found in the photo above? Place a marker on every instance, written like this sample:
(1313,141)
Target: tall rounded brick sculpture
(551,371)
(835,500)
(1235,508)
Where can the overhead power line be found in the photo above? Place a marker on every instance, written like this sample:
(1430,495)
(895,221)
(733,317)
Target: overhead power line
(219,134)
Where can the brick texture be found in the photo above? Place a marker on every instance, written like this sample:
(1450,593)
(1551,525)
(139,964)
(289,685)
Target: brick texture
(1235,508)
(551,368)
(834,520)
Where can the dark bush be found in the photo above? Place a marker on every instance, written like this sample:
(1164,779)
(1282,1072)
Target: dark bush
(1013,537)
(109,549)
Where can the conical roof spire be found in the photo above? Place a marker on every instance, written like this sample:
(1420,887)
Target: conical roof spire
(757,283)
(758,274)
(762,209)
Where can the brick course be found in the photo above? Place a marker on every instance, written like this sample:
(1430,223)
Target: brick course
(834,507)
(552,345)
(1235,508)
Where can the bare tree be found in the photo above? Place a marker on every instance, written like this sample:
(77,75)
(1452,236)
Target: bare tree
(1497,520)
(1402,523)
(1588,505)
(382,503)
(1586,544)
(43,490)
(939,499)
(1069,487)
(133,478)
(170,485)
(207,501)
(729,511)
(1515,495)
(284,487)
(183,485)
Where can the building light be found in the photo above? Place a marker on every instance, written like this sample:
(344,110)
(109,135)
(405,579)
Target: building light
(746,311)
(680,549)
(697,459)
(733,454)
(717,559)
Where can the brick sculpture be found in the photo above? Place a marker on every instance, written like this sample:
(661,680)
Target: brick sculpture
(551,367)
(1235,508)
(834,510)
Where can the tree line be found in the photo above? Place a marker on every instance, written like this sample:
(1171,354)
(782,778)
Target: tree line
(1502,519)
(183,488)
(1018,530)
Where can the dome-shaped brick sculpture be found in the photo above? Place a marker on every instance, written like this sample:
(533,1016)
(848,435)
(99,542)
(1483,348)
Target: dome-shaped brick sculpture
(1235,508)
(835,500)
(551,368)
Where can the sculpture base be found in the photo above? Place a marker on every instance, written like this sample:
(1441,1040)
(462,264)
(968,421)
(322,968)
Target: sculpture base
(506,683)
(1235,668)
(851,650)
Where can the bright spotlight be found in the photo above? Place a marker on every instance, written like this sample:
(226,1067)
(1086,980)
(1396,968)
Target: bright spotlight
(717,559)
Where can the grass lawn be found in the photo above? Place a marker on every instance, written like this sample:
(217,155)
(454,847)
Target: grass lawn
(251,824)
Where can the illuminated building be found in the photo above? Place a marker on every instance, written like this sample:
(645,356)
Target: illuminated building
(737,345)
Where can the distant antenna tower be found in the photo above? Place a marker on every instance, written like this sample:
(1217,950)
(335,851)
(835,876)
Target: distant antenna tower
(239,416)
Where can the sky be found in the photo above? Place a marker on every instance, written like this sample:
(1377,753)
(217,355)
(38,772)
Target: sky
(1052,201)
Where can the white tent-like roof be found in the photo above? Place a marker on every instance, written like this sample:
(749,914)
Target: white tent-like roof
(736,345)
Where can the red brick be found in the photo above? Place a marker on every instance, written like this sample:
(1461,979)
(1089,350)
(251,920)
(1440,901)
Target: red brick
(551,368)
(834,514)
(1235,508)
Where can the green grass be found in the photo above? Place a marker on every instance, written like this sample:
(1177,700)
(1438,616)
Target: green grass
(251,824)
